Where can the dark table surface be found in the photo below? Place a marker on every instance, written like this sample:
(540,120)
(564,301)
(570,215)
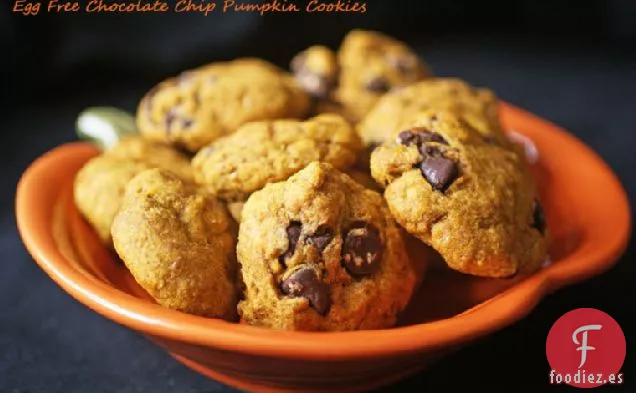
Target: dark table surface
(51,343)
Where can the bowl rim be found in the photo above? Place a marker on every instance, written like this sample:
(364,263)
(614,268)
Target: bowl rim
(594,255)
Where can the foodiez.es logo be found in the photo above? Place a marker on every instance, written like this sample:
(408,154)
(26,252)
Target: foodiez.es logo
(585,349)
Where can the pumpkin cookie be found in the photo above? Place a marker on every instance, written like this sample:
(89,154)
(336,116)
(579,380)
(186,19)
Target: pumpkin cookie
(99,186)
(269,151)
(175,238)
(473,201)
(321,252)
(201,105)
(371,65)
(367,65)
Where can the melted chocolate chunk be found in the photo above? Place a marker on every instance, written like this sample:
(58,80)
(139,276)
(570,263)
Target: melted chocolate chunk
(439,171)
(362,250)
(321,238)
(293,234)
(305,282)
(419,136)
(408,138)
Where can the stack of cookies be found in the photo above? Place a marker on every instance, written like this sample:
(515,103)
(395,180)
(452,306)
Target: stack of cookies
(283,199)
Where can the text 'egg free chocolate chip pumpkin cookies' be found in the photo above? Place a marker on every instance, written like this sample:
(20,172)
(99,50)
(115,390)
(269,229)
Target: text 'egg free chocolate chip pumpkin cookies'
(198,106)
(99,186)
(320,252)
(473,201)
(175,239)
(269,151)
(367,65)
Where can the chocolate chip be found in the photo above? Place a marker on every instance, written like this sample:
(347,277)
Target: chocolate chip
(362,250)
(433,137)
(538,218)
(321,238)
(378,85)
(304,282)
(418,136)
(439,171)
(430,150)
(293,234)
(408,138)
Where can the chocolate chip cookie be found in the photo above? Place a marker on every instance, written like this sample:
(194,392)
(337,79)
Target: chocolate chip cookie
(474,202)
(372,64)
(99,185)
(320,252)
(175,239)
(476,106)
(269,151)
(198,106)
(367,65)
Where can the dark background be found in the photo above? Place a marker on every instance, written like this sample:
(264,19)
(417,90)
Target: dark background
(571,62)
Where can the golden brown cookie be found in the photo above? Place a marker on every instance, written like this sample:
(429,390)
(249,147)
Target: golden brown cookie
(269,151)
(99,185)
(476,106)
(320,252)
(175,238)
(473,201)
(349,82)
(372,64)
(201,105)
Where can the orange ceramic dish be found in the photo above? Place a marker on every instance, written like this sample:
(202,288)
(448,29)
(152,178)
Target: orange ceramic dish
(587,213)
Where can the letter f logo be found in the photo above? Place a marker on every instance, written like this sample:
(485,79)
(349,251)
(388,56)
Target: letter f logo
(584,347)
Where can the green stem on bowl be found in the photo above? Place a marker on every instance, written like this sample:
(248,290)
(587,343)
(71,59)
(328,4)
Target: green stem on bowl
(105,126)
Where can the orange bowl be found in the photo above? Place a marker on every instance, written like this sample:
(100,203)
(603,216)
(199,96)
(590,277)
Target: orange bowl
(587,212)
